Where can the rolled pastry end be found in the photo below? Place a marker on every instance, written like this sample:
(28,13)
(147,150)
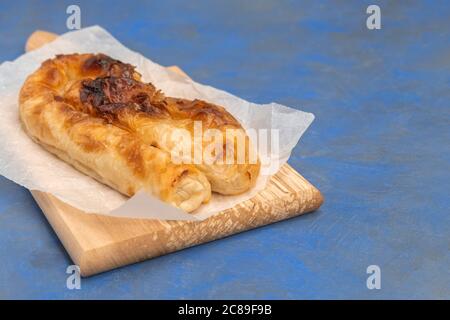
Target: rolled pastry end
(231,179)
(190,190)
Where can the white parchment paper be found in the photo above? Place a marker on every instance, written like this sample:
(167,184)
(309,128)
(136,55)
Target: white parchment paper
(26,163)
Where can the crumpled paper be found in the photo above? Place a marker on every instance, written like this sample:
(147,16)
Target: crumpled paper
(26,163)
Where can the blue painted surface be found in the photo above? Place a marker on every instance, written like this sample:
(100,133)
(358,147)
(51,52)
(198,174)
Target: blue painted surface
(378,150)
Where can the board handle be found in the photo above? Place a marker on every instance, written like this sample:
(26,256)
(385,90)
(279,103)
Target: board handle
(40,37)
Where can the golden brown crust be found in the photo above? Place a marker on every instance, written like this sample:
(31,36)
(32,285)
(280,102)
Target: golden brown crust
(95,113)
(143,109)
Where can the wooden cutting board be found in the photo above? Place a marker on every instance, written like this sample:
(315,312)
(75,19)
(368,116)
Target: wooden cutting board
(98,243)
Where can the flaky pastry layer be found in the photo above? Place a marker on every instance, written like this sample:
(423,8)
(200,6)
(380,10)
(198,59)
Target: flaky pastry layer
(96,114)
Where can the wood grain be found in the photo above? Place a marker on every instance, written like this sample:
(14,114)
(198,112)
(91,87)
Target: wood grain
(98,243)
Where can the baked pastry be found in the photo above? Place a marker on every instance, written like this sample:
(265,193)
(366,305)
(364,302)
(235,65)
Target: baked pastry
(95,113)
(161,122)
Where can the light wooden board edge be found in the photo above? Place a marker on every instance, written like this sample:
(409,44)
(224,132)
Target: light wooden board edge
(287,195)
(280,200)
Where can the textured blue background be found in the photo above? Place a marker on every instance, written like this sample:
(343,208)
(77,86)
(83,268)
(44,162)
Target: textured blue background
(378,150)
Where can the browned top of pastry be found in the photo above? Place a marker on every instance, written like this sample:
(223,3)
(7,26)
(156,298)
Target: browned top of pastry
(105,65)
(109,87)
(105,87)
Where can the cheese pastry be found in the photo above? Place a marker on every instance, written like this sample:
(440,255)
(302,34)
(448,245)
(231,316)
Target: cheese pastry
(156,119)
(95,113)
